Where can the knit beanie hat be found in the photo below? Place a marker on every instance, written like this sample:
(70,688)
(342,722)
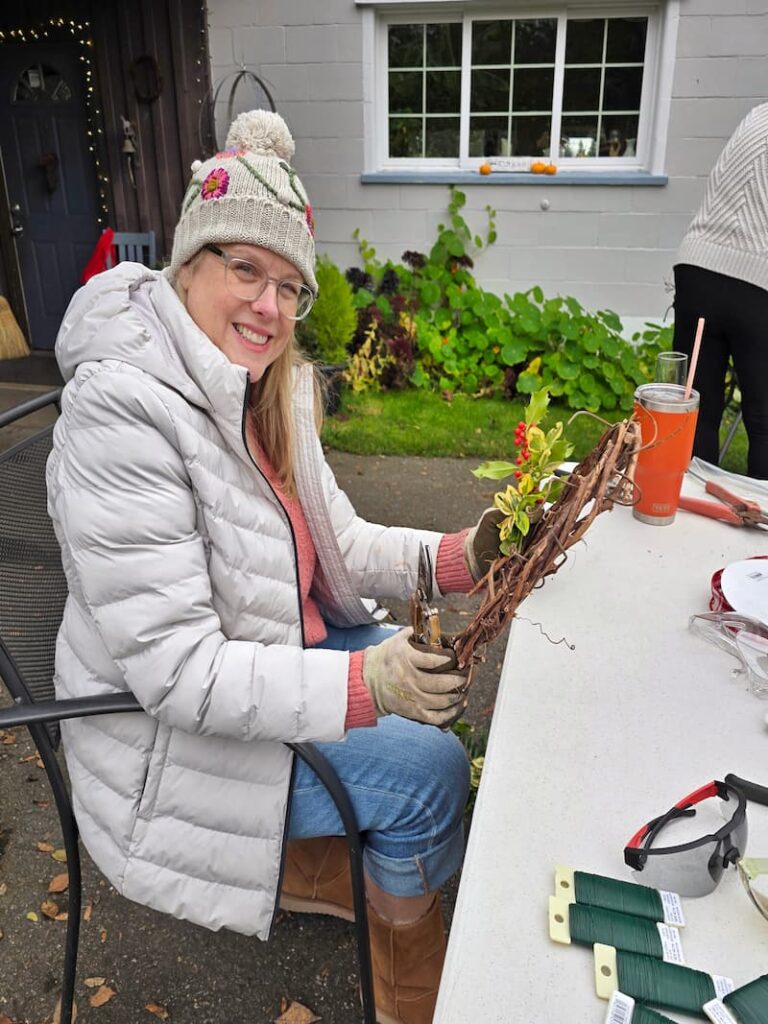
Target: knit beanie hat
(249,193)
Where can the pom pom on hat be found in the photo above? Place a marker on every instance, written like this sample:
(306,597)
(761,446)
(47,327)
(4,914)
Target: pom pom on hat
(249,193)
(262,132)
(195,166)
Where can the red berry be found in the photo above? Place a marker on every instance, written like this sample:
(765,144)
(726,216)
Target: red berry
(526,454)
(518,474)
(521,425)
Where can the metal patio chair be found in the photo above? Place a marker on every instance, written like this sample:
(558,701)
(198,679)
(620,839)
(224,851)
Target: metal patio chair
(33,591)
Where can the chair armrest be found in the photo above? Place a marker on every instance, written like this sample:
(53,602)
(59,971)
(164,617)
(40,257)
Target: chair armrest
(57,710)
(39,402)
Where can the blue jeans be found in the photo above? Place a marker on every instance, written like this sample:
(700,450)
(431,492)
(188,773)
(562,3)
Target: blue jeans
(408,784)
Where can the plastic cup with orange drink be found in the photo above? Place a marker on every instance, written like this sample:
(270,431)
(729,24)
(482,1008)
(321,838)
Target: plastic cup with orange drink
(668,424)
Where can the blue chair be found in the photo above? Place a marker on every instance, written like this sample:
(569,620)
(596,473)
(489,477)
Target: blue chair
(33,590)
(136,246)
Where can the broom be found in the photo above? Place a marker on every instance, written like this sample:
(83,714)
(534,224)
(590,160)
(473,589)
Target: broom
(13,344)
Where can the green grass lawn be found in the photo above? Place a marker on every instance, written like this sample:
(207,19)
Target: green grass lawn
(423,423)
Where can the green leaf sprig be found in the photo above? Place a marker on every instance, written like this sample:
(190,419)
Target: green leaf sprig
(539,453)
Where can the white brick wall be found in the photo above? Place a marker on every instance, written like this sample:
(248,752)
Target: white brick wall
(611,247)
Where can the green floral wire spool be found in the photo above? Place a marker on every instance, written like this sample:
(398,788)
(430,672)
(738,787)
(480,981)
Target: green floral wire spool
(615,894)
(645,1015)
(750,1002)
(652,981)
(589,925)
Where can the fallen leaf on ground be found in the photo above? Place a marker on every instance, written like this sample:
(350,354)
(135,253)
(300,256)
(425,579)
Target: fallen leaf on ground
(60,856)
(42,804)
(103,934)
(3,888)
(39,762)
(5,1019)
(296,1013)
(59,883)
(2,933)
(159,1011)
(29,757)
(94,982)
(45,847)
(50,909)
(7,739)
(32,916)
(63,916)
(102,995)
(87,912)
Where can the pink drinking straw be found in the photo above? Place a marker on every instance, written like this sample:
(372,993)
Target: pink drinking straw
(694,358)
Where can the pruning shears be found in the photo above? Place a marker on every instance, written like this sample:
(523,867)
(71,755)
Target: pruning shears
(735,510)
(424,617)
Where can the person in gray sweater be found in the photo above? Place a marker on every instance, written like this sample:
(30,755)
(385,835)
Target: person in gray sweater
(721,274)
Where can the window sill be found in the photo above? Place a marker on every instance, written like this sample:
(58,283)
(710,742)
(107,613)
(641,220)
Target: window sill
(460,177)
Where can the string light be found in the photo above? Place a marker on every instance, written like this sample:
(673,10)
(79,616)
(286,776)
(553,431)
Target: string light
(81,31)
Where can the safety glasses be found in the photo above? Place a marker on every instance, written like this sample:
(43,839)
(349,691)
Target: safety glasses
(692,868)
(744,637)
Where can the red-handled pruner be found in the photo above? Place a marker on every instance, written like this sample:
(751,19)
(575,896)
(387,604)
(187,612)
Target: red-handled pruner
(736,510)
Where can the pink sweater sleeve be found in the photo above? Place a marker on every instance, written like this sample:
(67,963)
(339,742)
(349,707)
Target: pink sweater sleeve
(451,571)
(360,708)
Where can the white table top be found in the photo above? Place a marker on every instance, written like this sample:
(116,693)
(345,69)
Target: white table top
(585,747)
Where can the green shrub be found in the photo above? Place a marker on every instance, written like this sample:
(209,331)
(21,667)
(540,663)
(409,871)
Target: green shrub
(326,333)
(466,339)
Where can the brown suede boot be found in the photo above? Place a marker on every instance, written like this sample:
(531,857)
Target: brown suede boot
(316,878)
(407,964)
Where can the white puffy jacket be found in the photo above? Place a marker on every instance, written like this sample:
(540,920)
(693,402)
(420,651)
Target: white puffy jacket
(183,589)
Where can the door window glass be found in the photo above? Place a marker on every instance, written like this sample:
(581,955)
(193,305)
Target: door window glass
(41,82)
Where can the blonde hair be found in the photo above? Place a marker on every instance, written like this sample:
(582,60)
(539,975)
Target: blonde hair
(271,408)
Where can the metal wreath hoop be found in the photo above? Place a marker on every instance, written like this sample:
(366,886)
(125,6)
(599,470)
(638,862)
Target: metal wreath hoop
(207,119)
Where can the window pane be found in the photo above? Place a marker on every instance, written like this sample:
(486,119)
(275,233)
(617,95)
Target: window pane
(491,42)
(622,88)
(584,41)
(579,136)
(405,92)
(443,92)
(488,136)
(405,138)
(619,135)
(444,45)
(530,136)
(533,89)
(406,46)
(490,91)
(626,40)
(41,82)
(442,137)
(581,89)
(535,41)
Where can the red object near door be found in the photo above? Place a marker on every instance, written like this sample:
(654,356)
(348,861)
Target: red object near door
(99,257)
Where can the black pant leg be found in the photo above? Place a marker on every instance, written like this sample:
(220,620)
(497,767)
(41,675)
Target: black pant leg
(748,337)
(696,295)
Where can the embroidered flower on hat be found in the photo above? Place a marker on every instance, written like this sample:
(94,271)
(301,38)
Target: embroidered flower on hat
(215,185)
(310,219)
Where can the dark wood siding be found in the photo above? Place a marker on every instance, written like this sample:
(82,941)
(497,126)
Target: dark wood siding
(174,33)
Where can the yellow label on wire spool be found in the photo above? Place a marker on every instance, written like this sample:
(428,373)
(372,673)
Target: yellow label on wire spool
(565,883)
(559,920)
(606,970)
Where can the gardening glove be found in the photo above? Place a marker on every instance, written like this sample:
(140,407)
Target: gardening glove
(481,546)
(413,681)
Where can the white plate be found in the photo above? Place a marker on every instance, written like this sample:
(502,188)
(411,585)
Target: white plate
(745,587)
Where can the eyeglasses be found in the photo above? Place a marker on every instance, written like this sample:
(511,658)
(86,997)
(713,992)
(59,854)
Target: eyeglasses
(694,868)
(742,636)
(247,281)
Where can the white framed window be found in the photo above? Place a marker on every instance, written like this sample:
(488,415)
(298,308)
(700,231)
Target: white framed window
(454,84)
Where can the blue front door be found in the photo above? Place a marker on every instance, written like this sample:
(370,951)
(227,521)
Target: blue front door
(50,175)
